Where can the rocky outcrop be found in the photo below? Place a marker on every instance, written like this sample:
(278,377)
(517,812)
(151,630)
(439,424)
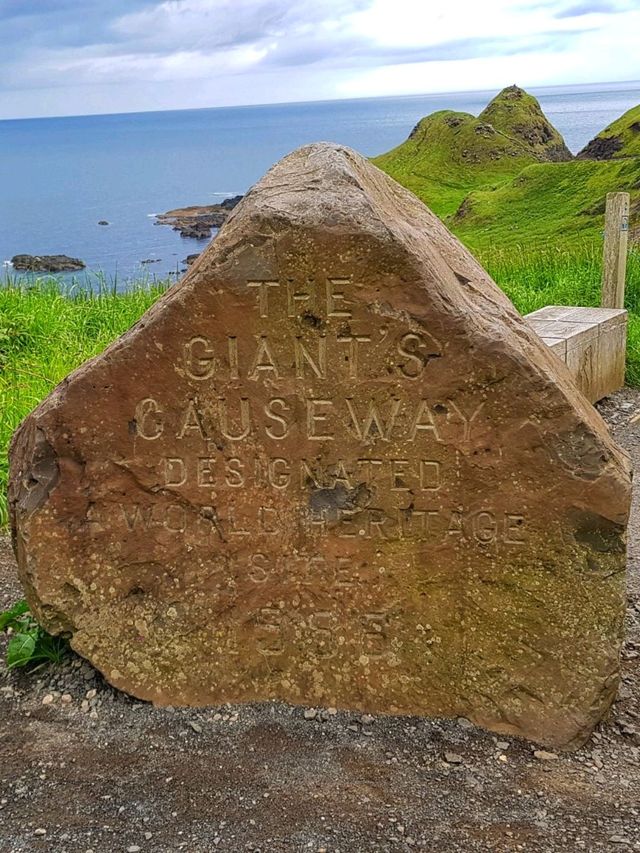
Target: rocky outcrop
(198,221)
(619,140)
(46,263)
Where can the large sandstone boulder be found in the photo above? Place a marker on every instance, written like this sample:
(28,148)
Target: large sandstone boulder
(332,466)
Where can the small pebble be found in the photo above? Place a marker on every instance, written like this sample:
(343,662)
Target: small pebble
(543,755)
(48,699)
(195,726)
(453,758)
(310,713)
(40,831)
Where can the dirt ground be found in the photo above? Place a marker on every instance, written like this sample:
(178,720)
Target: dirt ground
(83,768)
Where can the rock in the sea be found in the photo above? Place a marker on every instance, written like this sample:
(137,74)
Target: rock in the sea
(190,259)
(198,221)
(332,466)
(103,222)
(46,263)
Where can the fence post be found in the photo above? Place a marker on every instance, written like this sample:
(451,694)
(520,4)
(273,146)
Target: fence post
(614,260)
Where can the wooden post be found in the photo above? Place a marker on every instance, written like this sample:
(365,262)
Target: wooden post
(614,261)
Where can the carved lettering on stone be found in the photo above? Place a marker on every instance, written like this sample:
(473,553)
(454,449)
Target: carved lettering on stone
(332,466)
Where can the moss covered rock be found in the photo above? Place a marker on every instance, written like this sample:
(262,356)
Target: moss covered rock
(519,116)
(620,139)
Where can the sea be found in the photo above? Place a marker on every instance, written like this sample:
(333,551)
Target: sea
(60,176)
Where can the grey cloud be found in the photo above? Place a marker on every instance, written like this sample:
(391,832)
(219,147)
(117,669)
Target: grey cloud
(590,7)
(359,53)
(59,23)
(188,24)
(51,44)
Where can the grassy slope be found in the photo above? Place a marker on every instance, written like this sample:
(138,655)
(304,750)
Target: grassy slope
(449,154)
(509,188)
(559,203)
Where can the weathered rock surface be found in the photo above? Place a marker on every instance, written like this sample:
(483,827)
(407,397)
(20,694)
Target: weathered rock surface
(332,466)
(46,263)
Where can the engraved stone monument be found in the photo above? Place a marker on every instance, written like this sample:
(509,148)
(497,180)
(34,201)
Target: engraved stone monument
(332,466)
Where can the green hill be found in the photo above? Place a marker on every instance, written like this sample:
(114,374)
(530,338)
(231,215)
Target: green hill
(548,203)
(507,176)
(620,139)
(448,154)
(519,116)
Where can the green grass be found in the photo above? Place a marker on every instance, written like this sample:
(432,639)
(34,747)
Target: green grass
(448,155)
(506,178)
(558,203)
(45,333)
(512,202)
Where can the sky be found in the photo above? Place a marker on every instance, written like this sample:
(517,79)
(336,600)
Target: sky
(65,57)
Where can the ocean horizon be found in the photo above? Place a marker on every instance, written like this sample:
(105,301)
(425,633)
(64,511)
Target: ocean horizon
(63,175)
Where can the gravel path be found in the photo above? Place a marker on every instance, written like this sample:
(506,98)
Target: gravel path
(83,768)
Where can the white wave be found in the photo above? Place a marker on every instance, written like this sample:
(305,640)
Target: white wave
(7,264)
